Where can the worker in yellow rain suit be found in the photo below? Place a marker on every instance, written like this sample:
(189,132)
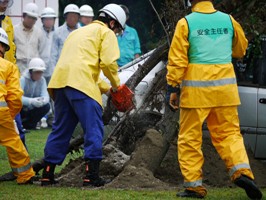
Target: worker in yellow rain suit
(10,105)
(7,25)
(200,63)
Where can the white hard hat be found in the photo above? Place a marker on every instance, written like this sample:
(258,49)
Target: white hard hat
(32,10)
(71,8)
(37,64)
(48,13)
(86,11)
(4,38)
(9,3)
(115,12)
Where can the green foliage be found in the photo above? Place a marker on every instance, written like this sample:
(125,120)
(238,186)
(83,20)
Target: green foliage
(142,18)
(39,193)
(250,13)
(35,141)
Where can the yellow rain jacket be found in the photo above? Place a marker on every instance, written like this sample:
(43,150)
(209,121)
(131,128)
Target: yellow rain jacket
(8,27)
(97,50)
(181,71)
(10,106)
(10,91)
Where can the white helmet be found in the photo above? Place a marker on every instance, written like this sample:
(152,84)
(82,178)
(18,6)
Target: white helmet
(71,8)
(86,11)
(32,10)
(37,64)
(48,13)
(115,12)
(4,38)
(9,3)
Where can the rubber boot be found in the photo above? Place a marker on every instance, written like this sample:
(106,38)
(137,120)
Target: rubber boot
(253,192)
(8,177)
(92,174)
(38,165)
(48,175)
(189,194)
(198,192)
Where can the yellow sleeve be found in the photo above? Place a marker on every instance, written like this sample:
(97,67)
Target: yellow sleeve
(109,54)
(14,92)
(178,54)
(104,86)
(240,42)
(8,26)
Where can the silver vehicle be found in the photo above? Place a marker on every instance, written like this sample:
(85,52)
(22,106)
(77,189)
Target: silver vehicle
(252,111)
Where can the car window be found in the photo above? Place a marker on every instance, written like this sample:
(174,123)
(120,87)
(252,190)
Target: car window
(251,70)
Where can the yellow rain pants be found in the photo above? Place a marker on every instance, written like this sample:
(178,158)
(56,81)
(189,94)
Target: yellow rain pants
(223,124)
(17,154)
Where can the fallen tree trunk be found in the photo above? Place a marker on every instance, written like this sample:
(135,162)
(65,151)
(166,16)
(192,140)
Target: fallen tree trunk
(159,54)
(148,155)
(152,148)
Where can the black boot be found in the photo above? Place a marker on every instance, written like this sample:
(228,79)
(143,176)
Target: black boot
(38,165)
(189,194)
(48,174)
(8,177)
(92,174)
(249,186)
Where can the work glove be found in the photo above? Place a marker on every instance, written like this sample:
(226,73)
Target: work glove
(37,102)
(114,89)
(172,97)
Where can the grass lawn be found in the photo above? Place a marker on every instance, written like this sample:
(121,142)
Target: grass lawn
(36,141)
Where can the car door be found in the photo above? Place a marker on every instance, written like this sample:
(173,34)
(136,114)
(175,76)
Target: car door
(260,145)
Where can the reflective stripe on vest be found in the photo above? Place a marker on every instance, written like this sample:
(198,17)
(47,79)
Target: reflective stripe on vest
(237,167)
(193,184)
(3,104)
(210,38)
(2,81)
(221,82)
(22,169)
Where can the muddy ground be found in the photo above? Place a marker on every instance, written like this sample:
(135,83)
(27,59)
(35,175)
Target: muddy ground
(167,176)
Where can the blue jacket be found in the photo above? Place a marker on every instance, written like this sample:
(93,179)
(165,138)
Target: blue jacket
(33,89)
(45,55)
(129,45)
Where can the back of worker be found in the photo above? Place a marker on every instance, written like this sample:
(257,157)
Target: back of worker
(76,89)
(200,62)
(95,41)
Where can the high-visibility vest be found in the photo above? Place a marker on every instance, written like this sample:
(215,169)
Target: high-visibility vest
(210,38)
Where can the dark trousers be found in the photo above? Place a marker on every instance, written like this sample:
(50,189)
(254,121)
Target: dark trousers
(71,107)
(30,118)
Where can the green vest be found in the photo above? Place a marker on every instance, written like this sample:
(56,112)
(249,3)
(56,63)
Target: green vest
(210,38)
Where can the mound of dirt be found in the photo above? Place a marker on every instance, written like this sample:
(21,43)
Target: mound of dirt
(167,176)
(214,170)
